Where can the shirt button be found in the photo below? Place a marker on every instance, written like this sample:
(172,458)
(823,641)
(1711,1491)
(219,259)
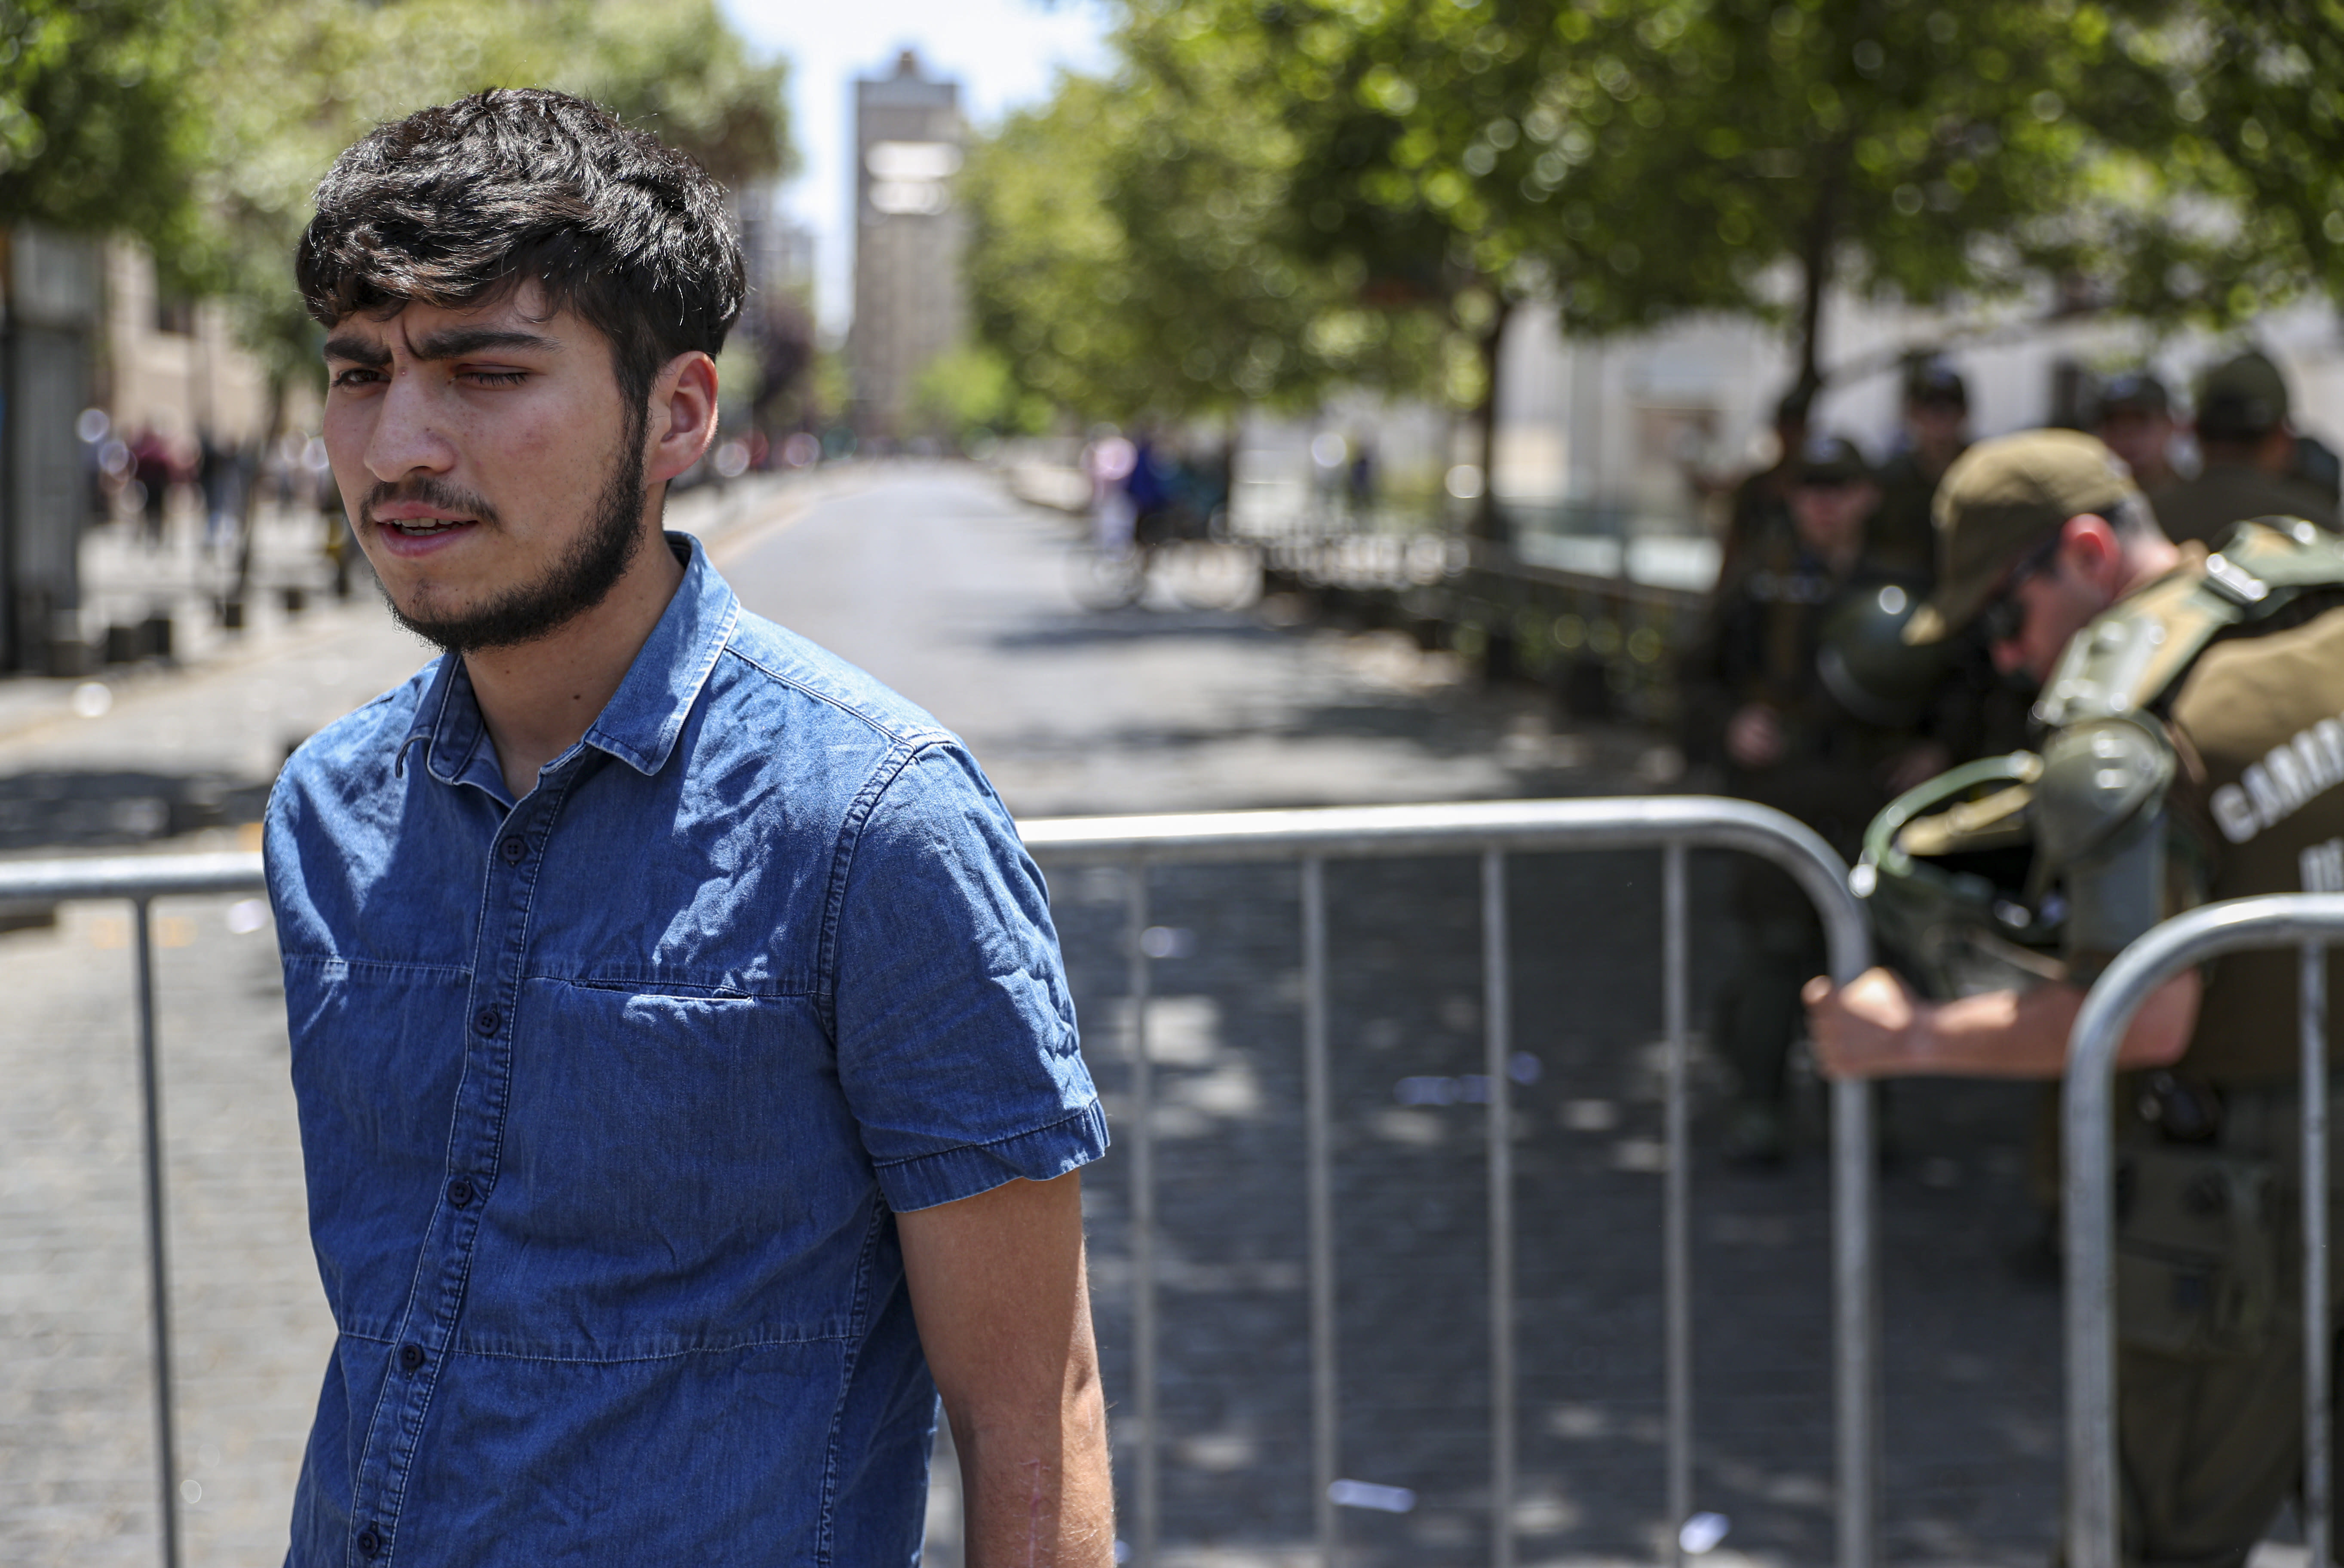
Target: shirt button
(513,849)
(410,1357)
(369,1542)
(486,1020)
(459,1191)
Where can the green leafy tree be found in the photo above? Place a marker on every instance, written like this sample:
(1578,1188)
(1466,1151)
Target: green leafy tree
(1928,153)
(1130,259)
(97,131)
(339,67)
(1407,178)
(2253,93)
(1429,164)
(970,389)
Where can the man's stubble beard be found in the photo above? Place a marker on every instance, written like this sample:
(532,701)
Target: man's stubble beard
(580,579)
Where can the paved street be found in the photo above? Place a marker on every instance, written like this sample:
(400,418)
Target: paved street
(936,582)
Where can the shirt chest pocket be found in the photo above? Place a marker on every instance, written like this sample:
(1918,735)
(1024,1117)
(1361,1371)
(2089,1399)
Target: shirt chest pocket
(665,1115)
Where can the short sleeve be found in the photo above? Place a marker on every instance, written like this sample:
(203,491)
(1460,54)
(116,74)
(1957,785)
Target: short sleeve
(957,1048)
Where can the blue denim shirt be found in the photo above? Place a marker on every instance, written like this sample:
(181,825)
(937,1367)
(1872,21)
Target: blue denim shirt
(608,1097)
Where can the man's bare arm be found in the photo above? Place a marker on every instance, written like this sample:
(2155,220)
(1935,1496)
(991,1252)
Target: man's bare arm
(1003,1300)
(1874,1027)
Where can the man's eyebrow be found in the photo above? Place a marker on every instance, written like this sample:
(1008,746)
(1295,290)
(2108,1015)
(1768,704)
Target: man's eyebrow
(457,342)
(358,350)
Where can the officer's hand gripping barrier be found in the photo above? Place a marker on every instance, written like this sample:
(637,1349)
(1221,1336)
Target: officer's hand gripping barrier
(2313,921)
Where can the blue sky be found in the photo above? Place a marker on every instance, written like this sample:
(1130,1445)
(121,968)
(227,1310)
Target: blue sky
(1005,53)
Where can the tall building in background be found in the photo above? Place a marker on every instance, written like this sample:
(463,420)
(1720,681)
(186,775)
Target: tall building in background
(908,236)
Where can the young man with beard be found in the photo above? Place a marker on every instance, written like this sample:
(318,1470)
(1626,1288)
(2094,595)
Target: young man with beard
(688,1082)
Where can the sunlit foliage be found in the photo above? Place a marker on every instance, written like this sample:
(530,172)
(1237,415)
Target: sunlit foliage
(1429,163)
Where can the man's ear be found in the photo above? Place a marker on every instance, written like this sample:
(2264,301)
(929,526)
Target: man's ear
(2089,549)
(683,416)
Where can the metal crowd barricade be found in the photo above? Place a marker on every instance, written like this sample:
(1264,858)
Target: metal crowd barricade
(1674,825)
(2312,922)
(142,879)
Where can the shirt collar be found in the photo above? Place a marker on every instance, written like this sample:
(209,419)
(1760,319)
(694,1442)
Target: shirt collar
(640,723)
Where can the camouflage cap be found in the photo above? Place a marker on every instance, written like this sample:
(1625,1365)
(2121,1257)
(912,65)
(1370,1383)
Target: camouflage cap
(2001,499)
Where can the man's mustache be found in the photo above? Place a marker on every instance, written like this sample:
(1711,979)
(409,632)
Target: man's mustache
(438,494)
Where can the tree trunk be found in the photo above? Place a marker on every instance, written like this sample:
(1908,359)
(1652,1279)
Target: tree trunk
(1230,441)
(1815,264)
(1486,524)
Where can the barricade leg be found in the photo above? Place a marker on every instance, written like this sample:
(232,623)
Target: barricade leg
(1855,1321)
(158,1264)
(1319,1147)
(1148,1505)
(2319,1502)
(2312,921)
(1497,1030)
(1677,1265)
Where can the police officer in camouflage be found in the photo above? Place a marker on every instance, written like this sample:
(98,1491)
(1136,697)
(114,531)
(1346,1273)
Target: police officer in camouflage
(2249,446)
(2192,705)
(2134,417)
(1761,705)
(1936,410)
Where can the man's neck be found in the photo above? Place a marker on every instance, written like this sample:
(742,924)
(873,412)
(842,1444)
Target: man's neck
(538,698)
(2144,562)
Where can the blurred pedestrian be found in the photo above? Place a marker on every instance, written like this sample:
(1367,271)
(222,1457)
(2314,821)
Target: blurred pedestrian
(1107,459)
(688,1090)
(2207,771)
(2249,447)
(1936,412)
(1363,476)
(220,476)
(1150,486)
(152,467)
(2134,418)
(1760,705)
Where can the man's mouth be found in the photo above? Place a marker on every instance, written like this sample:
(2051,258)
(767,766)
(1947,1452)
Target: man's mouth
(424,527)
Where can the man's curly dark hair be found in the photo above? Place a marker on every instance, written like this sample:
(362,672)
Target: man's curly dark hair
(453,205)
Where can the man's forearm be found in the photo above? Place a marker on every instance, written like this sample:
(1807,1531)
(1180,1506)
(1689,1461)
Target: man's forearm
(1875,1027)
(1037,1494)
(1996,1034)
(2024,1034)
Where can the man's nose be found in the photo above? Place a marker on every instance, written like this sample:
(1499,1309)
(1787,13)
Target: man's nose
(405,438)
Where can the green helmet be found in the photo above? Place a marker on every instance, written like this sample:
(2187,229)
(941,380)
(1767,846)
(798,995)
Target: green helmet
(1866,664)
(1943,875)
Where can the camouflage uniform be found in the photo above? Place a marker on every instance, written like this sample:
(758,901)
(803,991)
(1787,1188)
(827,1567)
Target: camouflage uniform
(1761,645)
(2193,752)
